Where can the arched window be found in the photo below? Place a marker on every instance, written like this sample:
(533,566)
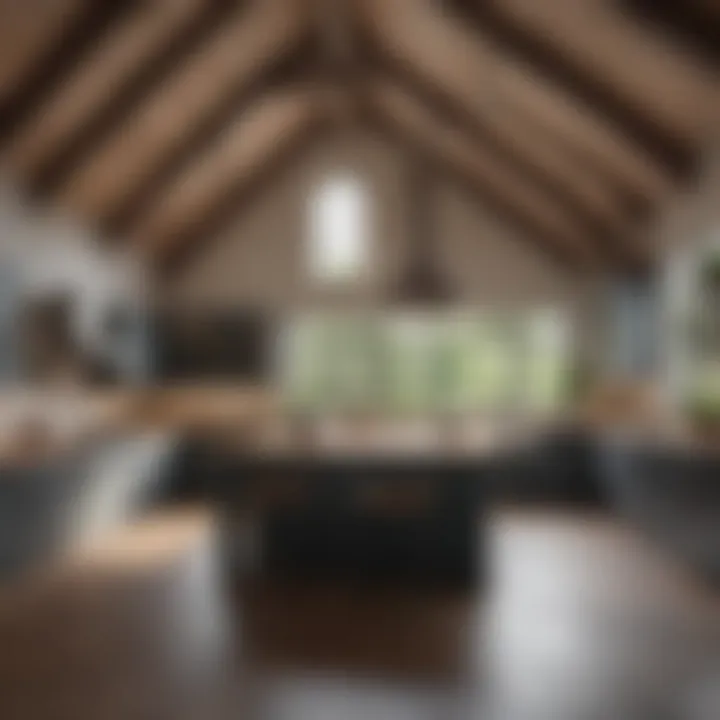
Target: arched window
(338,247)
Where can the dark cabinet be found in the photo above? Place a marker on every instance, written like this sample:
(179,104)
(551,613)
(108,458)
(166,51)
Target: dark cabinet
(373,518)
(212,346)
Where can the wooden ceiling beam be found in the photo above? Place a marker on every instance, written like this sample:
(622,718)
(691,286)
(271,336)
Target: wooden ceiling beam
(527,232)
(338,62)
(236,53)
(84,28)
(613,233)
(285,68)
(236,199)
(678,157)
(604,213)
(27,32)
(235,154)
(47,177)
(576,231)
(485,194)
(444,86)
(136,47)
(508,91)
(652,72)
(695,22)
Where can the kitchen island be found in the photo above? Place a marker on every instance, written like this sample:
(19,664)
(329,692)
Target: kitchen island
(364,517)
(413,512)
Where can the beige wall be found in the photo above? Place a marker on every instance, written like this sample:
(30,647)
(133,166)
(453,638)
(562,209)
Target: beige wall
(692,217)
(260,260)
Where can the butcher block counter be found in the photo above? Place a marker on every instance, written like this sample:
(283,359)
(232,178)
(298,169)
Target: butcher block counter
(37,424)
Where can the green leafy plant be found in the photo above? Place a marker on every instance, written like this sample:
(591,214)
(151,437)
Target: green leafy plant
(703,405)
(710,273)
(705,415)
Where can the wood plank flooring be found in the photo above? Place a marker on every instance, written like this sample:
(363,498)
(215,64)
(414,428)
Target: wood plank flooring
(583,619)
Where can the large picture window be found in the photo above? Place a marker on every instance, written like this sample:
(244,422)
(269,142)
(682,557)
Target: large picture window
(427,362)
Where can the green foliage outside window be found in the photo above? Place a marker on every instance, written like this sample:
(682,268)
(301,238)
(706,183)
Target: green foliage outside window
(414,363)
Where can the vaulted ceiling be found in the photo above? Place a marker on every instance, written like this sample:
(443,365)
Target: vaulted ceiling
(157,121)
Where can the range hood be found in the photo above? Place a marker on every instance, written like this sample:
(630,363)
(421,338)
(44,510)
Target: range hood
(420,281)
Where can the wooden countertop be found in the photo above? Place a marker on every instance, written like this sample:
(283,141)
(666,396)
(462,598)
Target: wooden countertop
(36,424)
(39,424)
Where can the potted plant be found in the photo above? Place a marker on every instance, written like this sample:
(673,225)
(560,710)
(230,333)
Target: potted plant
(710,274)
(703,406)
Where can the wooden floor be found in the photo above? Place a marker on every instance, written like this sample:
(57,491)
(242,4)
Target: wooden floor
(582,620)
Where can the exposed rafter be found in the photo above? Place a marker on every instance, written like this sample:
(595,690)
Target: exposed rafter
(549,159)
(595,204)
(238,198)
(135,55)
(648,70)
(279,70)
(575,231)
(82,30)
(157,122)
(526,230)
(503,89)
(232,59)
(485,194)
(611,227)
(27,33)
(594,90)
(334,24)
(237,154)
(696,21)
(407,112)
